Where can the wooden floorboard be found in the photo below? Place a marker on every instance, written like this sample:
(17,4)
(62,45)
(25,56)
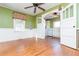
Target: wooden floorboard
(32,47)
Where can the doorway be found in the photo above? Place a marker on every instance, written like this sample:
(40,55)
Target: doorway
(52,24)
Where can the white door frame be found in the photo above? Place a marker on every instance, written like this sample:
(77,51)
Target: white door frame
(55,10)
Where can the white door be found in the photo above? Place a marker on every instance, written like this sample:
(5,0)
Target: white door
(68,26)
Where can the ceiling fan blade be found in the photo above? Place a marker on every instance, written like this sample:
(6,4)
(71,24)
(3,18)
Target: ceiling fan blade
(35,10)
(40,3)
(28,7)
(41,8)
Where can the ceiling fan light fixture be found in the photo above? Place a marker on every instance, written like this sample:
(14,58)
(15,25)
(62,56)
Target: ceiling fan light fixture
(55,13)
(35,5)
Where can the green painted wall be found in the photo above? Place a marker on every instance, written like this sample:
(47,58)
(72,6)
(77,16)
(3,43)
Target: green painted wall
(77,23)
(6,20)
(34,25)
(51,21)
(54,20)
(30,21)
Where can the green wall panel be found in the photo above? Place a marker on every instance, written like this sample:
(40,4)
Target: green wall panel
(34,22)
(30,21)
(6,18)
(54,20)
(77,23)
(51,21)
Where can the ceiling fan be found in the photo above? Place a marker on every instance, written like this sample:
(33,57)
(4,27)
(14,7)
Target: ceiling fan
(35,5)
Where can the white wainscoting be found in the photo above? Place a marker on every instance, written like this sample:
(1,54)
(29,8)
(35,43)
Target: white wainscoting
(7,34)
(55,32)
(49,31)
(40,31)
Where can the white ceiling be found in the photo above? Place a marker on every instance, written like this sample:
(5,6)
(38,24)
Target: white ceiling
(20,7)
(51,15)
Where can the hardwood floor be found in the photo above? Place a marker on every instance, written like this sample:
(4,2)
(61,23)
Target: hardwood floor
(32,47)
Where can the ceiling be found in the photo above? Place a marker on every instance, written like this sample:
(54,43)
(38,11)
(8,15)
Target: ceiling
(20,7)
(51,15)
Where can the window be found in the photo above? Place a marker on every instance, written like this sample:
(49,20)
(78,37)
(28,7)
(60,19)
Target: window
(67,12)
(56,24)
(19,25)
(64,15)
(71,11)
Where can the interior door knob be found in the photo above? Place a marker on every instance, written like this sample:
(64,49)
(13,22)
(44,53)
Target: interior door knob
(73,26)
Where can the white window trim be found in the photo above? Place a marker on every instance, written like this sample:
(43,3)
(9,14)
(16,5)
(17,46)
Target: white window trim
(18,28)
